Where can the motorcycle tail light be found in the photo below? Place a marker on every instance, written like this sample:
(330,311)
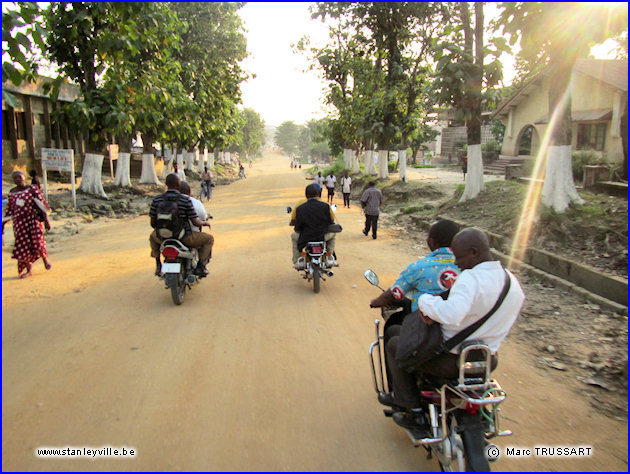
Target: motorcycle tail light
(170,252)
(316,249)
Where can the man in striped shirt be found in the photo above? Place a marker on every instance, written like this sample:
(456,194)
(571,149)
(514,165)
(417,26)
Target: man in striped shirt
(187,214)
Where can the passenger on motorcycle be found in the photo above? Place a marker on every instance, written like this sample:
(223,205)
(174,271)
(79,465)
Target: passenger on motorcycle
(430,275)
(473,294)
(202,214)
(311,218)
(199,240)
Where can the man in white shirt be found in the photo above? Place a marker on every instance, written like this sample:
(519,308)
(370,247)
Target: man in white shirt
(471,297)
(330,186)
(180,173)
(184,188)
(346,187)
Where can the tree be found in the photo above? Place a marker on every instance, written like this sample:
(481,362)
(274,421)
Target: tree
(558,34)
(287,137)
(253,134)
(463,81)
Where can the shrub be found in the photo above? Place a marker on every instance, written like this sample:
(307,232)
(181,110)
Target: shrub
(491,146)
(579,159)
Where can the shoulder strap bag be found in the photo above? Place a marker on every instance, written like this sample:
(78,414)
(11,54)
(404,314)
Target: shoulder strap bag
(420,342)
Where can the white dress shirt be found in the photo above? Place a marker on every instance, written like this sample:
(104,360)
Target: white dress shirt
(201,213)
(472,296)
(330,181)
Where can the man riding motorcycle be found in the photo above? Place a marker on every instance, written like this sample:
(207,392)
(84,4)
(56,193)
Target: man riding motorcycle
(311,218)
(471,297)
(187,214)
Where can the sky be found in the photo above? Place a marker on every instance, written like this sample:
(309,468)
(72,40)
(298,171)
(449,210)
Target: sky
(282,89)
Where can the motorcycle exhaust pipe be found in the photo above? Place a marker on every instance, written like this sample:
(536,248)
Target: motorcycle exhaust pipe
(329,273)
(190,279)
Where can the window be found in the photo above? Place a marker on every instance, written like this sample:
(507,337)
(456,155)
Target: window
(591,136)
(20,125)
(6,120)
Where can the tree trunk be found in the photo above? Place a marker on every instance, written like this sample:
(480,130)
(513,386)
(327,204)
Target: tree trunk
(355,162)
(402,161)
(347,158)
(180,157)
(91,175)
(623,125)
(474,176)
(559,189)
(123,174)
(148,175)
(383,171)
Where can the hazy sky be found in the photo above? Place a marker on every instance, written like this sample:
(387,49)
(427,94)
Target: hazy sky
(281,90)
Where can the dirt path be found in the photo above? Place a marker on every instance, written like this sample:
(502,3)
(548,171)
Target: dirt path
(252,372)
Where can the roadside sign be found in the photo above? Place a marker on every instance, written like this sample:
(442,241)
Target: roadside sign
(59,159)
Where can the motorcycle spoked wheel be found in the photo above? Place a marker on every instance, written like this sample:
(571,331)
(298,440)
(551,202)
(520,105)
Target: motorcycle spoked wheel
(178,290)
(316,278)
(464,451)
(450,453)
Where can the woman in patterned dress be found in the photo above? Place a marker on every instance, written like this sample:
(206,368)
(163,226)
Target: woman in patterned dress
(30,243)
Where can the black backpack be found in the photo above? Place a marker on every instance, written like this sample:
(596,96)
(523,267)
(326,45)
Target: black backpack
(169,224)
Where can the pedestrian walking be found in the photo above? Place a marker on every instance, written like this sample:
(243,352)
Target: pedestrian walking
(330,186)
(346,186)
(371,202)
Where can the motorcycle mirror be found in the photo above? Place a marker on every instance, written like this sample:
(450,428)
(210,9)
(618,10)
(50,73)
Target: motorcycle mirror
(289,210)
(334,207)
(371,277)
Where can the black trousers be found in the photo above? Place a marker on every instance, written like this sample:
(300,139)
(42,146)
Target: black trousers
(346,199)
(371,221)
(405,384)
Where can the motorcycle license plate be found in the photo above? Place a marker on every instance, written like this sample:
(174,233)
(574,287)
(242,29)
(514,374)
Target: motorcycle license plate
(171,267)
(316,249)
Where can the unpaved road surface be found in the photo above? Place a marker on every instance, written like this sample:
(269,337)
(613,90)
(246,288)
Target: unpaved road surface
(253,372)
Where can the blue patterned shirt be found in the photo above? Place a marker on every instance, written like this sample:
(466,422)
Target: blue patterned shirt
(431,275)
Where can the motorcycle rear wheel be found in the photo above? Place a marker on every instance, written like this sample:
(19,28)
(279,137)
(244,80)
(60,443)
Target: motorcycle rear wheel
(178,290)
(316,278)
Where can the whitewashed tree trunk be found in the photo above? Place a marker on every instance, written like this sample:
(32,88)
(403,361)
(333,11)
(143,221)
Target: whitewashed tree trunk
(402,165)
(383,171)
(148,175)
(91,175)
(559,189)
(180,161)
(370,165)
(189,158)
(122,178)
(474,174)
(228,157)
(211,159)
(355,162)
(347,158)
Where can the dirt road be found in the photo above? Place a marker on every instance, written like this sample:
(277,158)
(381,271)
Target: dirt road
(253,372)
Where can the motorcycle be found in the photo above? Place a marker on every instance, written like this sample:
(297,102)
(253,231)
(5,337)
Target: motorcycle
(177,269)
(317,263)
(462,414)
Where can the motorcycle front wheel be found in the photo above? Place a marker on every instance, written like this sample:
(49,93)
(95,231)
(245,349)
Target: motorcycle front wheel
(178,290)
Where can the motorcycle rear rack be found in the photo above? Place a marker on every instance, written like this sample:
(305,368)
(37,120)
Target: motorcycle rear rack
(466,389)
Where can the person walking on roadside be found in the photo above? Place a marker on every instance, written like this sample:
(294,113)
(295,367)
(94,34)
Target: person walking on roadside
(346,186)
(371,202)
(25,202)
(330,186)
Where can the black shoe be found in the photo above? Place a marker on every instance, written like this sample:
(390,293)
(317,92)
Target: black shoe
(387,399)
(201,271)
(374,237)
(365,232)
(414,422)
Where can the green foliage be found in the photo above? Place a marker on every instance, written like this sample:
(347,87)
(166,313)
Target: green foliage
(580,159)
(422,166)
(498,131)
(491,146)
(253,133)
(287,137)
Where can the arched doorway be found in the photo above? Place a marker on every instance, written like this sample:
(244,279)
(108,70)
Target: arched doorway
(528,141)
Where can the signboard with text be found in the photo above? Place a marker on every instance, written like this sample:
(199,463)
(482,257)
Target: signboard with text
(55,159)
